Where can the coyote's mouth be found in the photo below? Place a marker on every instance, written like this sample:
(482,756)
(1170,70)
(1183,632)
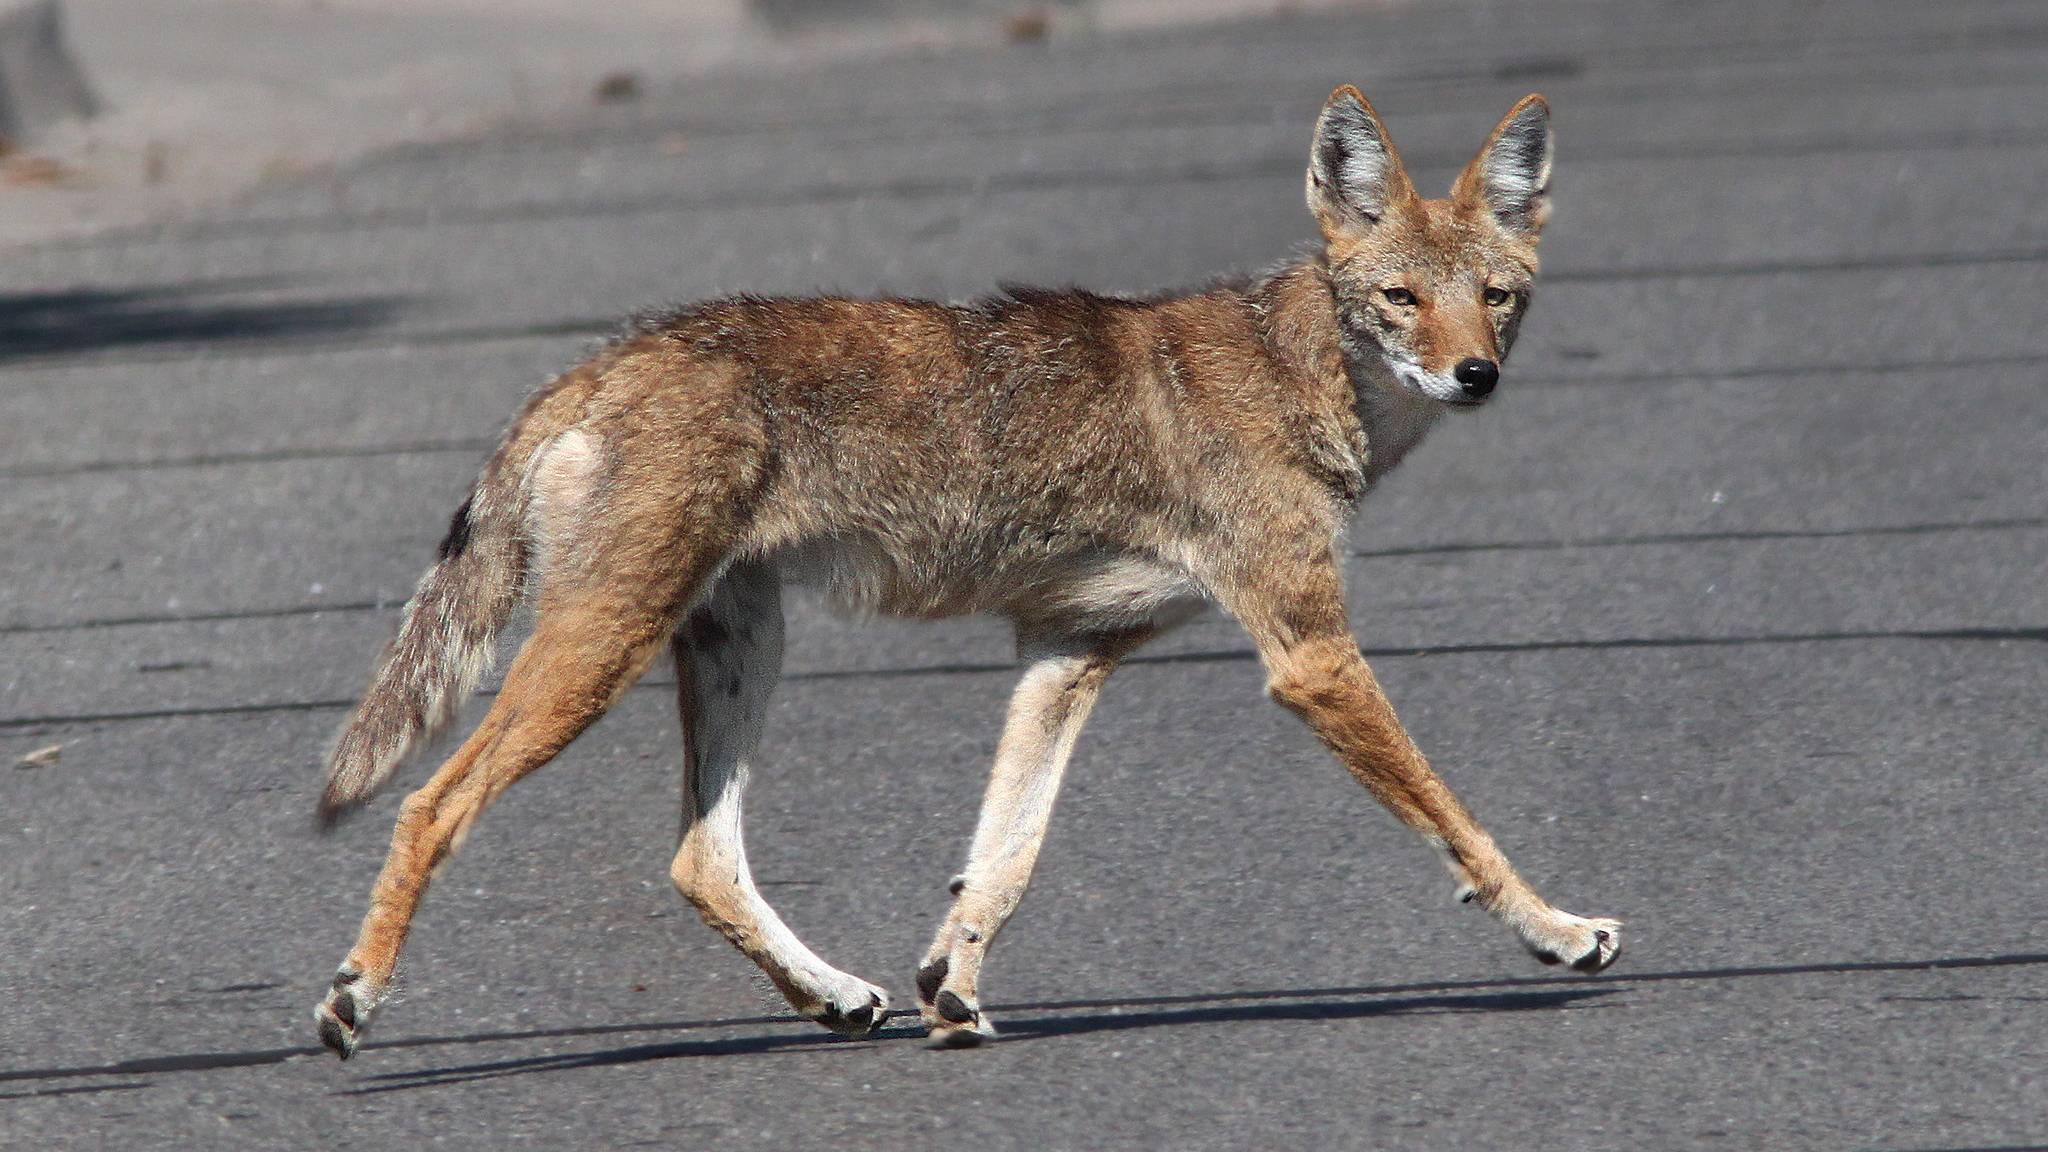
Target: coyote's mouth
(1433,385)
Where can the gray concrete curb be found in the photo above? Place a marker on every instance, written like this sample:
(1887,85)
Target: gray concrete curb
(40,84)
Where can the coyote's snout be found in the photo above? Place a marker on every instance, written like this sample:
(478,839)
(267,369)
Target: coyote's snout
(1088,467)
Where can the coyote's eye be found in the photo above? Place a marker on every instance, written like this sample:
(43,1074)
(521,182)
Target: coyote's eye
(1495,297)
(1400,296)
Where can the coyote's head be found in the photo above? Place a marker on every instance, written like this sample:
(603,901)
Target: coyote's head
(1435,288)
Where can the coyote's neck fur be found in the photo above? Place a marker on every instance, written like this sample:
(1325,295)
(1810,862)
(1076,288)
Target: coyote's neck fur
(1346,373)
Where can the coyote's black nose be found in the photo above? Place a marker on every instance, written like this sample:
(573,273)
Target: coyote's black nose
(1477,376)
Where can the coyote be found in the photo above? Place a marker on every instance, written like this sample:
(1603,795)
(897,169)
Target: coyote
(1091,468)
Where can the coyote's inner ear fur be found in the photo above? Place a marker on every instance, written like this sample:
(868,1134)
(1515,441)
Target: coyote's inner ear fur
(1511,175)
(1354,173)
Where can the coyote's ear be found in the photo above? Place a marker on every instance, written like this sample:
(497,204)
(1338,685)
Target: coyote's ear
(1511,175)
(1354,173)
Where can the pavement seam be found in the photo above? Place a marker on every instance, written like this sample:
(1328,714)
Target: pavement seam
(1654,539)
(1552,380)
(1218,656)
(980,187)
(178,351)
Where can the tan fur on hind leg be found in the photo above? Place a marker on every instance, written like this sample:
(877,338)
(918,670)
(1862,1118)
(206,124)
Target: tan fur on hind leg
(610,591)
(578,660)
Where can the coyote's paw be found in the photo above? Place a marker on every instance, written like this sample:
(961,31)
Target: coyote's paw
(345,1012)
(1561,938)
(953,1020)
(956,1022)
(855,1010)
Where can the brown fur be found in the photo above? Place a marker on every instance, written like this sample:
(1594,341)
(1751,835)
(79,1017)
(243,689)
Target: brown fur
(1085,466)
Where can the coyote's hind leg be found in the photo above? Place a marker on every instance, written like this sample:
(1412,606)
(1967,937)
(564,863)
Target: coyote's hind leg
(618,563)
(1050,705)
(582,654)
(728,660)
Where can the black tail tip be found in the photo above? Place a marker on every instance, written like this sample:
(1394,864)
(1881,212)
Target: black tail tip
(331,811)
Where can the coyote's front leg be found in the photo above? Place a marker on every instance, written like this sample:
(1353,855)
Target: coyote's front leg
(1046,714)
(1316,670)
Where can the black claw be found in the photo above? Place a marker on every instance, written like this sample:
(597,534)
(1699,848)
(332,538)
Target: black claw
(343,1005)
(953,1009)
(1549,957)
(931,976)
(1593,961)
(337,1038)
(1600,934)
(858,1022)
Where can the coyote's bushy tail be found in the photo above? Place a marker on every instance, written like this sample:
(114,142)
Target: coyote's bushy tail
(446,638)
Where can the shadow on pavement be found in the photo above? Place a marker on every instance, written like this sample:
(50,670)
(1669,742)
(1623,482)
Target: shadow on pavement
(903,1025)
(81,321)
(1040,1020)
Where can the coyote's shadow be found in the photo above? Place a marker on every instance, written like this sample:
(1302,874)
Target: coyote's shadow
(1023,1024)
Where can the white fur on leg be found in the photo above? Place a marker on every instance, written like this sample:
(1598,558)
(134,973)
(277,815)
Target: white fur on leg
(732,656)
(1050,705)
(1555,937)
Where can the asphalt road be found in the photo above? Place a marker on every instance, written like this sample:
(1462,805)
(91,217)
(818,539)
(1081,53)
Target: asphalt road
(1727,618)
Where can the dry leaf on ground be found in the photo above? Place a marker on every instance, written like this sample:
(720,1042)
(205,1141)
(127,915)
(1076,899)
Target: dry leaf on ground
(41,757)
